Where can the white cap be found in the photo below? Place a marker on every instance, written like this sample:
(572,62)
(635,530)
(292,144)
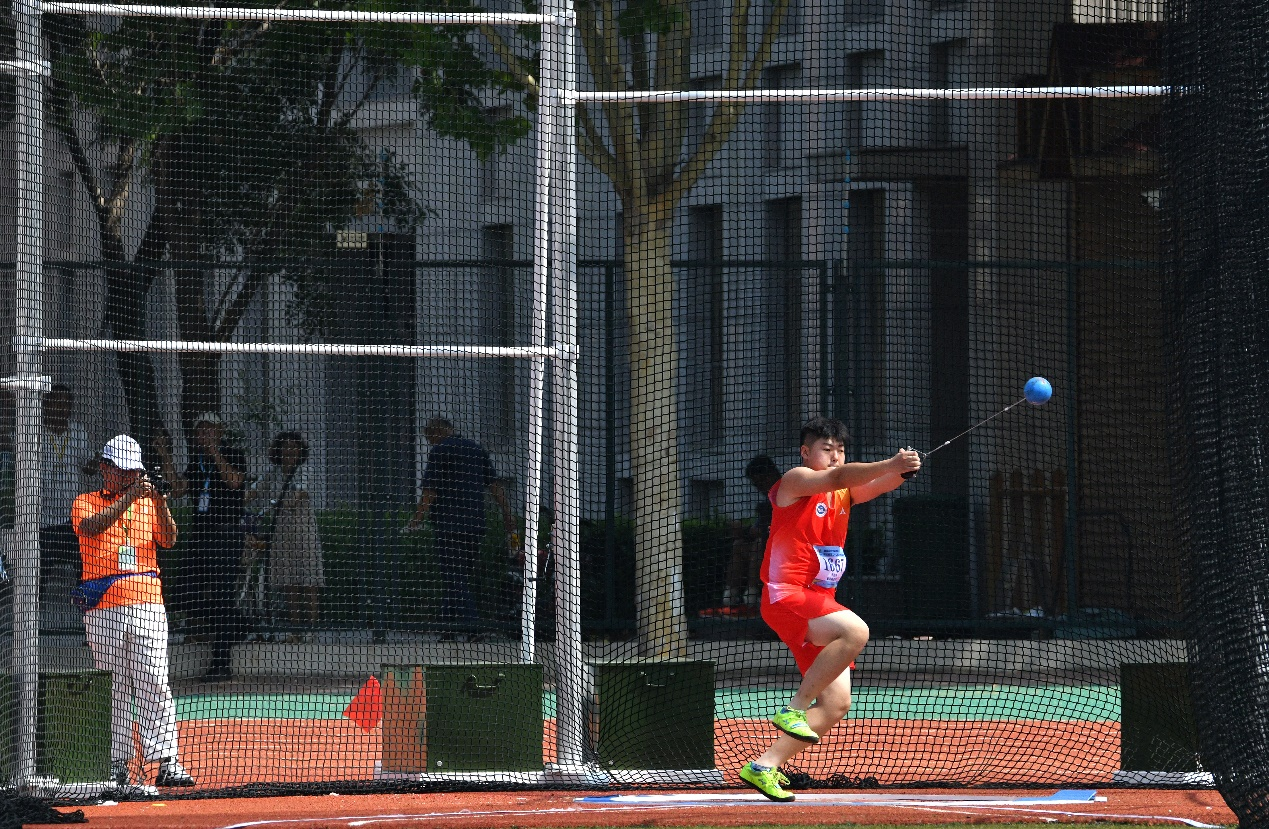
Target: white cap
(208,417)
(123,452)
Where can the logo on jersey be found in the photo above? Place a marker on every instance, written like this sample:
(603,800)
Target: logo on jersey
(821,510)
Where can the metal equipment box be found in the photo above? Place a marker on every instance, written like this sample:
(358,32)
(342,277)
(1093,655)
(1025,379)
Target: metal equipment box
(654,715)
(72,727)
(1157,730)
(460,718)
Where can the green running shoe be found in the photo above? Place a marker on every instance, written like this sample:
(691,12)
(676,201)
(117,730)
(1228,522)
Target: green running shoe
(793,722)
(768,782)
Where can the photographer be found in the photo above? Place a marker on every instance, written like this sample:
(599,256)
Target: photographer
(119,529)
(214,481)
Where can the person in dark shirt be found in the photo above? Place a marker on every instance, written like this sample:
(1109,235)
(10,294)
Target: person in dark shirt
(214,482)
(453,500)
(744,588)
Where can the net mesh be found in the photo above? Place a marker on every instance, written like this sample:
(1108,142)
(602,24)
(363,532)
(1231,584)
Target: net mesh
(459,497)
(1215,222)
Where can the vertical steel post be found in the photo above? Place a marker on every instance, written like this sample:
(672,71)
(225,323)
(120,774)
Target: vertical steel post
(610,447)
(571,721)
(30,382)
(539,303)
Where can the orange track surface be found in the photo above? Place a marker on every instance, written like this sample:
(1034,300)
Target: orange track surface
(226,753)
(497,810)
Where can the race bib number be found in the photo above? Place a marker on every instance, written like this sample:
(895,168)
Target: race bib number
(832,566)
(127,557)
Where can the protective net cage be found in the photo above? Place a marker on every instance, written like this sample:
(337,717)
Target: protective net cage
(395,392)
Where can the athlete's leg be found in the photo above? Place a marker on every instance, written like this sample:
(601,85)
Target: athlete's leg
(843,635)
(828,711)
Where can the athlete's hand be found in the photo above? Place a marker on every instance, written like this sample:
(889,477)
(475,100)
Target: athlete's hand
(905,462)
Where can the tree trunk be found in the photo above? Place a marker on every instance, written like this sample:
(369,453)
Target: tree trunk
(126,290)
(654,368)
(200,370)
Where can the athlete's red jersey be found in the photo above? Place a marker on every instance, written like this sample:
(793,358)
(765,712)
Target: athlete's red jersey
(804,549)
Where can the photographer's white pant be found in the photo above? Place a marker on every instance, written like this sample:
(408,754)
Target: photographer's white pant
(131,643)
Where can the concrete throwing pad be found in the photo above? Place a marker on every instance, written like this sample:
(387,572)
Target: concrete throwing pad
(1066,796)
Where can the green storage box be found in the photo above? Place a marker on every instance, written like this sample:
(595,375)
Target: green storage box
(654,715)
(72,726)
(458,718)
(1157,731)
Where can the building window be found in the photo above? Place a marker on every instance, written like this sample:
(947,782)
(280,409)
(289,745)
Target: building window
(699,114)
(394,81)
(866,11)
(782,118)
(784,251)
(62,220)
(865,122)
(865,255)
(625,506)
(704,360)
(947,67)
(705,499)
(497,246)
(792,24)
(709,21)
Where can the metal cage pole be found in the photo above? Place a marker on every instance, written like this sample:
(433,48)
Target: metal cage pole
(548,106)
(571,735)
(29,381)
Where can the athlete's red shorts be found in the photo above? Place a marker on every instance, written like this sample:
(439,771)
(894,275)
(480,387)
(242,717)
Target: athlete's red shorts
(790,616)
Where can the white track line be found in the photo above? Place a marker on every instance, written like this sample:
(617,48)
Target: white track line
(963,809)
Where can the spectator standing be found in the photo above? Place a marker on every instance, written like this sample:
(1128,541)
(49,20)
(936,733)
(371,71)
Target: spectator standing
(744,588)
(285,541)
(65,459)
(119,529)
(457,476)
(214,481)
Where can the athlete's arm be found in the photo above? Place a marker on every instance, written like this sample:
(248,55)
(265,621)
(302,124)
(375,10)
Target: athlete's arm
(801,481)
(877,486)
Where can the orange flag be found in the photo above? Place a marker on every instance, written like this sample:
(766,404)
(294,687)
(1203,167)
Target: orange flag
(366,709)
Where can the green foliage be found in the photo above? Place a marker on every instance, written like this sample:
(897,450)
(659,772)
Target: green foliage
(368,562)
(252,128)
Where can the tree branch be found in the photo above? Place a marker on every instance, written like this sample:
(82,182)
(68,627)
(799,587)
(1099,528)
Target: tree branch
(726,117)
(669,120)
(65,126)
(720,128)
(738,46)
(620,117)
(591,144)
(779,10)
(224,325)
(516,65)
(604,73)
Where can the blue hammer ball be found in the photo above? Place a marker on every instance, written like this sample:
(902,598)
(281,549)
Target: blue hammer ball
(1037,391)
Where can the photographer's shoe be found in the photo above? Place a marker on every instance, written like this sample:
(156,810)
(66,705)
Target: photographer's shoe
(120,774)
(172,774)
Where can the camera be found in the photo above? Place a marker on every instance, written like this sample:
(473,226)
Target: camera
(163,485)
